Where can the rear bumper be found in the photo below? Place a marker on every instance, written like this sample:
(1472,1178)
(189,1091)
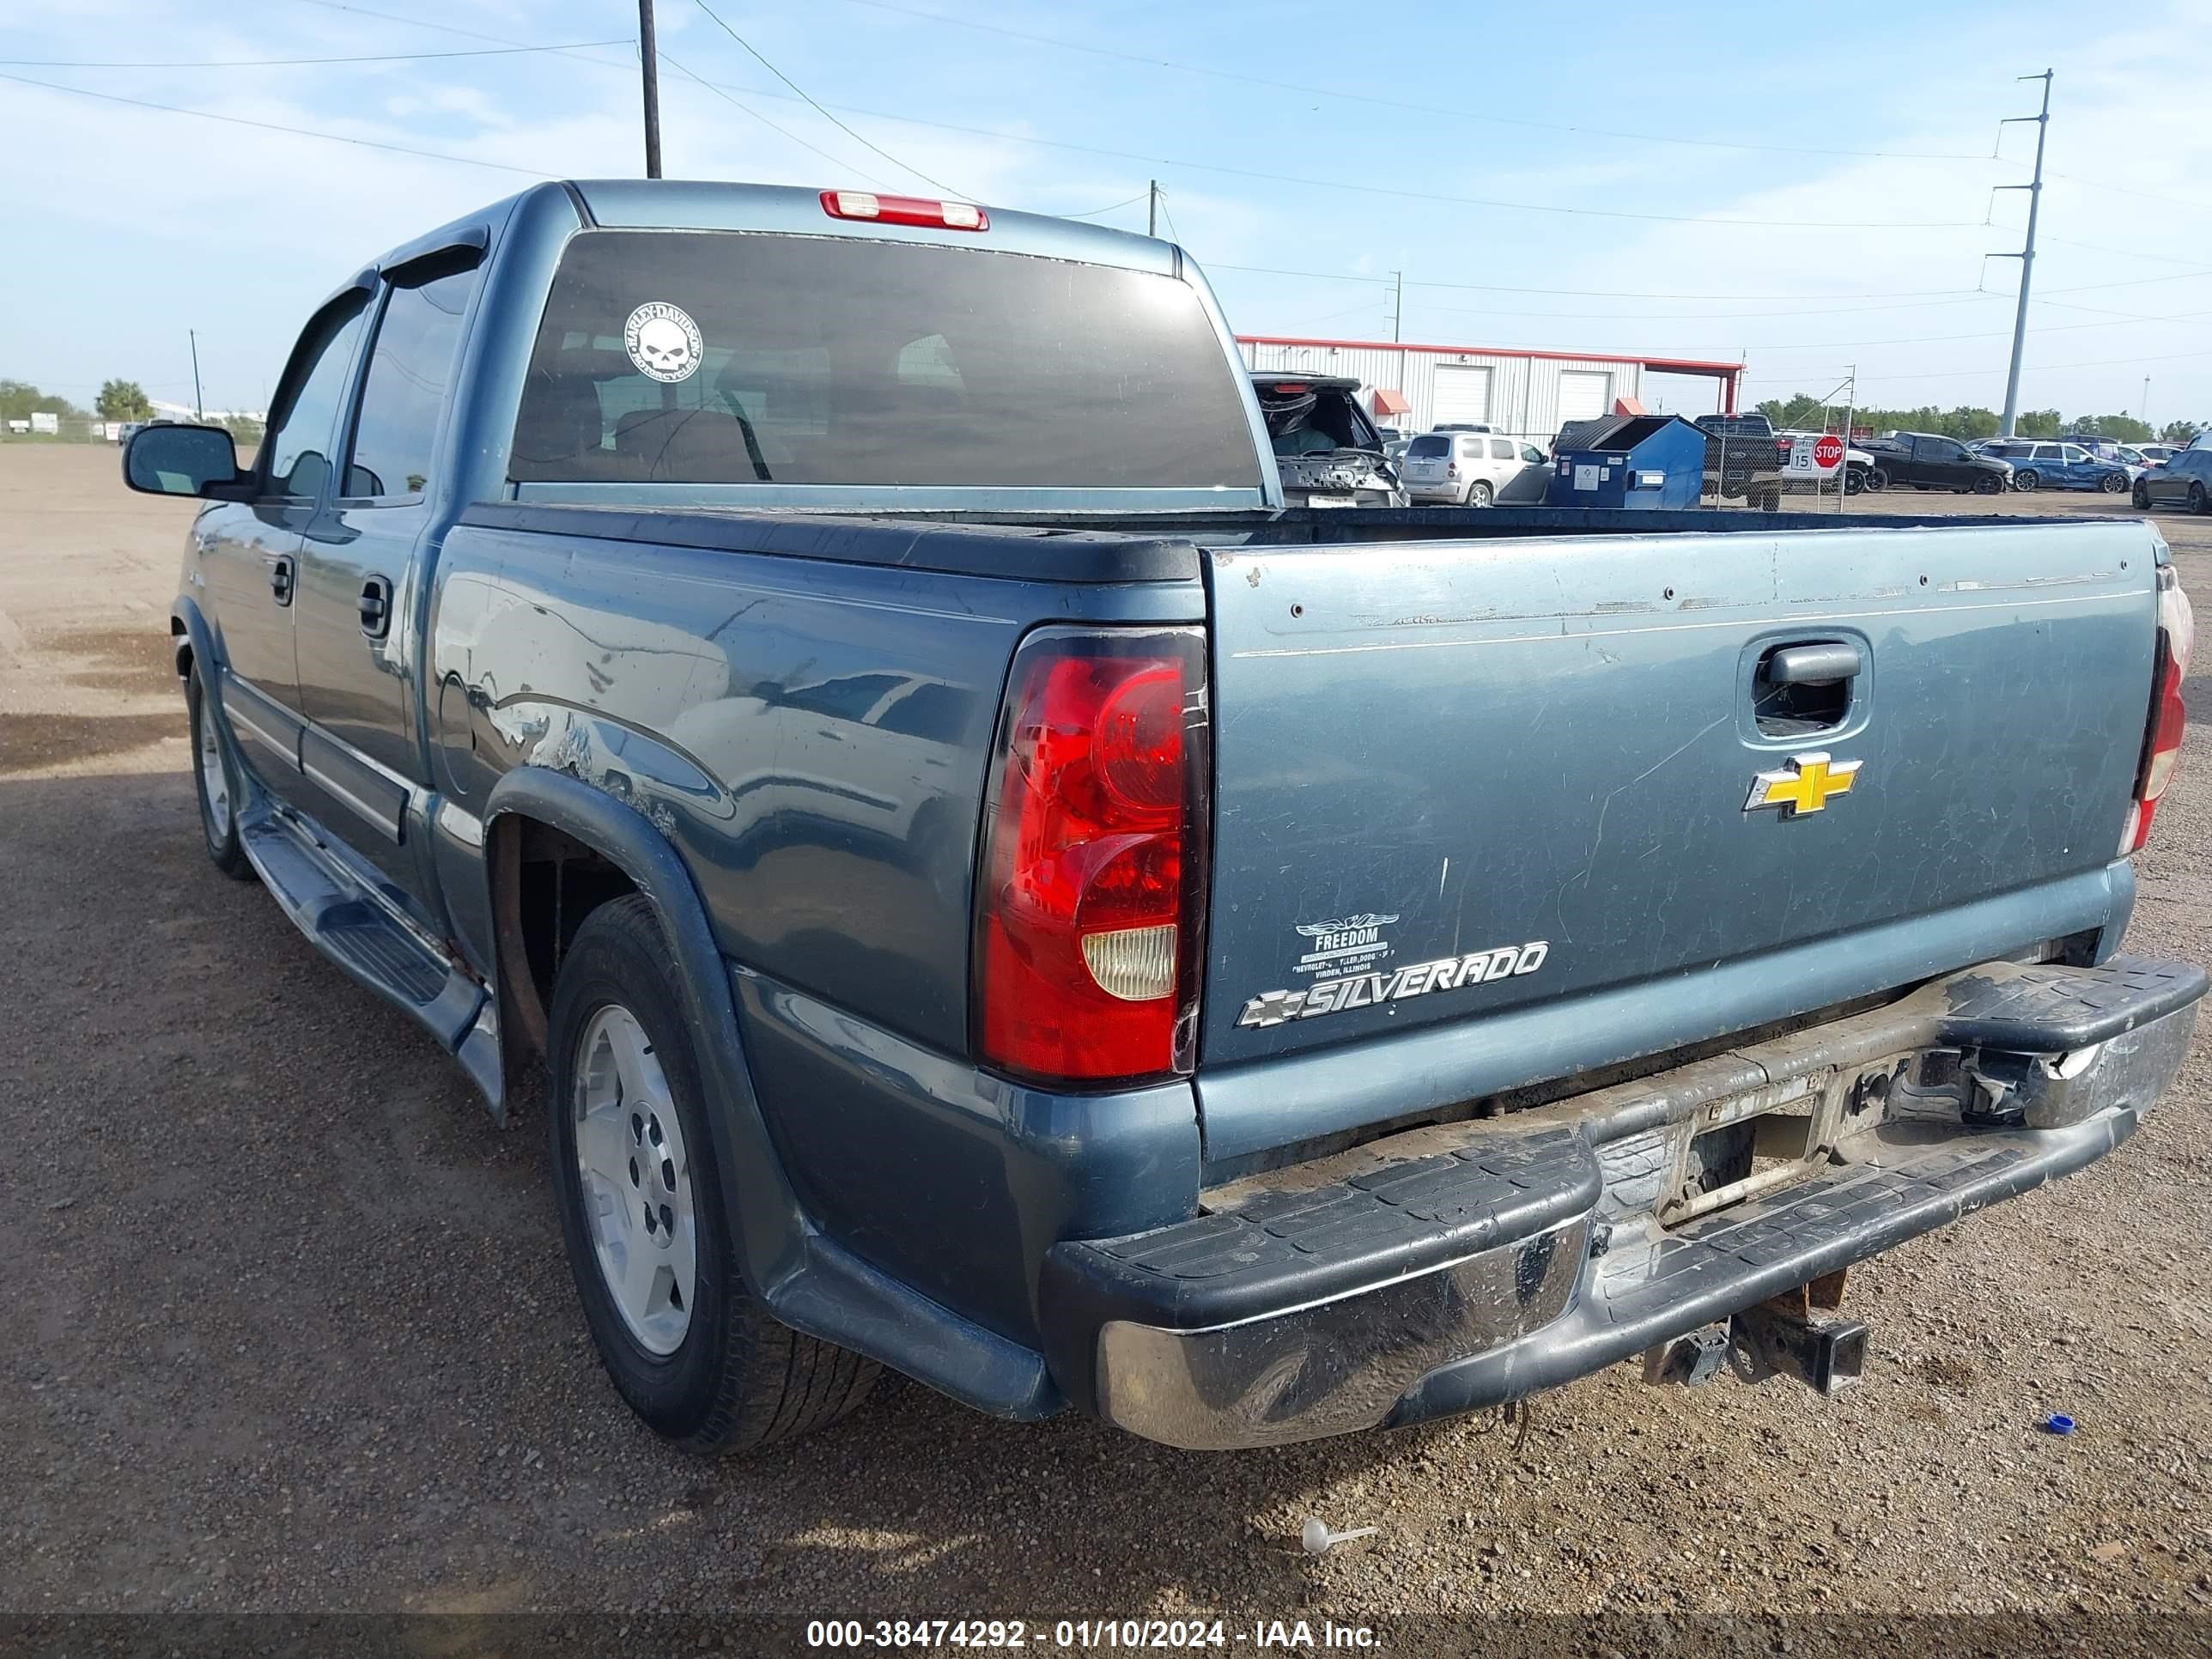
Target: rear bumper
(1464,1265)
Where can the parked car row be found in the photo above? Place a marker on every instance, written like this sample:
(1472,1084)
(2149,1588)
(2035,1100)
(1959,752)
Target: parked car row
(2183,481)
(1925,460)
(1330,453)
(2061,464)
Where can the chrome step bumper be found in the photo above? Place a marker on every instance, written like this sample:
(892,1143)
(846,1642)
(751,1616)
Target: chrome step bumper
(1464,1265)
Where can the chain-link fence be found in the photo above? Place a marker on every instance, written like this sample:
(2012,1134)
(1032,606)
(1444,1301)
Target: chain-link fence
(1748,464)
(45,428)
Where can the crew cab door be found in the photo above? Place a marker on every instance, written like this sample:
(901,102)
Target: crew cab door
(357,640)
(249,551)
(1940,461)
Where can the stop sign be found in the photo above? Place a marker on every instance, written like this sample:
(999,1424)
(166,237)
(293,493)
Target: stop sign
(1828,451)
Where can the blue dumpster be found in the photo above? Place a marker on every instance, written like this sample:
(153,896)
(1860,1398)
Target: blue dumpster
(1627,461)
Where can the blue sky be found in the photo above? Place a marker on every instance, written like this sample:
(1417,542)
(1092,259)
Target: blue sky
(1744,216)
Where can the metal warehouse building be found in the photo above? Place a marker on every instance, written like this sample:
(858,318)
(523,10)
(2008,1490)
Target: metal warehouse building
(1529,394)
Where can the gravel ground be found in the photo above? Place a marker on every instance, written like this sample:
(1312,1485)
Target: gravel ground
(290,1327)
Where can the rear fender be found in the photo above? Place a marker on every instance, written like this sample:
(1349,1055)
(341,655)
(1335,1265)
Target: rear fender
(771,1229)
(807,1280)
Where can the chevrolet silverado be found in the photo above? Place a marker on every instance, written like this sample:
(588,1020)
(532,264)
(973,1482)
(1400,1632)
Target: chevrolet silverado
(830,678)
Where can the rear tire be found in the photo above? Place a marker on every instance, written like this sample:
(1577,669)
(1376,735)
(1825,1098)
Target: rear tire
(1876,481)
(2197,501)
(1480,494)
(2028,480)
(2141,496)
(706,1366)
(215,786)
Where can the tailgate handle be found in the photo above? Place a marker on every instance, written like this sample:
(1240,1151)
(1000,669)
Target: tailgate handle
(1815,664)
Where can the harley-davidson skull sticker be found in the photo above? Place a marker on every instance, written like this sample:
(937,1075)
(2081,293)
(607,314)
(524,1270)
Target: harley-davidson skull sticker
(662,340)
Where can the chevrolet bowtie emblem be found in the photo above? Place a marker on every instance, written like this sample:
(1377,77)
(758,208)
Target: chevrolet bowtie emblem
(1804,786)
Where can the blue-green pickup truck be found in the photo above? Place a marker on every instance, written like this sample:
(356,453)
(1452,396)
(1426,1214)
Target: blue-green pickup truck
(829,679)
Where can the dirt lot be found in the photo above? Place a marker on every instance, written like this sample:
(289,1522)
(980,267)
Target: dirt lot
(290,1327)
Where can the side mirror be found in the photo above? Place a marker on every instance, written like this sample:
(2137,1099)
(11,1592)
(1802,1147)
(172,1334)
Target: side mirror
(184,460)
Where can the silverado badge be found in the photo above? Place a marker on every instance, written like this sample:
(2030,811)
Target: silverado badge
(1804,786)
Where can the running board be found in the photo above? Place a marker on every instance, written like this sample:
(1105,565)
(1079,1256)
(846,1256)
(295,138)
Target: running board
(341,918)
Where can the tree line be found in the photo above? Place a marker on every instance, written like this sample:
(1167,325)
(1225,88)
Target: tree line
(1969,421)
(119,400)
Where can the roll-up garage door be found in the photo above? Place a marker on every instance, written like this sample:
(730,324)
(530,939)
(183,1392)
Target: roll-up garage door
(1584,394)
(1462,394)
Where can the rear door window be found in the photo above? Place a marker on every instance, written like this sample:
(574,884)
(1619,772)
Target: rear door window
(726,357)
(1500,450)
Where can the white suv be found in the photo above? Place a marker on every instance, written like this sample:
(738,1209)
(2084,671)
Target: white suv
(1467,469)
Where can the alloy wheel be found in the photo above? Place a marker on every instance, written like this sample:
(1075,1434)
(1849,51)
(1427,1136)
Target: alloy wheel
(636,1180)
(215,779)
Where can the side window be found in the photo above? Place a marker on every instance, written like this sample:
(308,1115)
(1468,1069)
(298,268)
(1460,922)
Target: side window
(1500,450)
(1529,452)
(2046,452)
(298,445)
(2072,454)
(410,368)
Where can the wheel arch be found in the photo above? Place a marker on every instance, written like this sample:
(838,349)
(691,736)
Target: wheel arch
(535,809)
(193,643)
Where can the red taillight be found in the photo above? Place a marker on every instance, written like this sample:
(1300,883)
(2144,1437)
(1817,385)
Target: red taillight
(2177,637)
(904,210)
(1087,922)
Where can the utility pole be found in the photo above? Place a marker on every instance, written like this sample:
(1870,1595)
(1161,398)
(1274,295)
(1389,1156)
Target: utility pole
(1851,418)
(2143,414)
(1398,306)
(2026,255)
(1152,207)
(199,409)
(648,55)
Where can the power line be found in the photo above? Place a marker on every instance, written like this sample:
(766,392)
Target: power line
(1116,207)
(1167,214)
(1700,316)
(1939,339)
(909,166)
(1408,194)
(2125,252)
(1947,294)
(2132,281)
(2124,189)
(447,28)
(725,96)
(293,63)
(273,127)
(1153,62)
(2038,369)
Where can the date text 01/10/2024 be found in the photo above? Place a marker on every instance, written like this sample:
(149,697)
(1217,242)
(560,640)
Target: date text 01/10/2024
(1277,1634)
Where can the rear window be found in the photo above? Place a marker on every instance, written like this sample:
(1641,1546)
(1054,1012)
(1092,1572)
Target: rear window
(1429,448)
(727,357)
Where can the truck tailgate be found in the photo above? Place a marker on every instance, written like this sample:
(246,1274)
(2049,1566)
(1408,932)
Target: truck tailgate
(1558,778)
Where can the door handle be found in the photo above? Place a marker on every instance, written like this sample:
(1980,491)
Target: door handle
(280,577)
(376,607)
(1815,664)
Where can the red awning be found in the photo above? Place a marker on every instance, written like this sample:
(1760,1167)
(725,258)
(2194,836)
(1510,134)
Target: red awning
(1386,402)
